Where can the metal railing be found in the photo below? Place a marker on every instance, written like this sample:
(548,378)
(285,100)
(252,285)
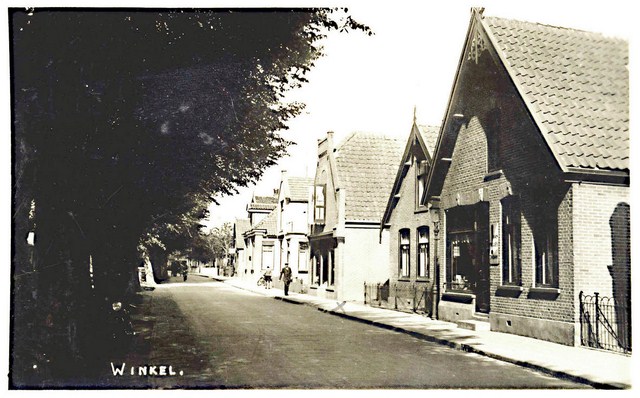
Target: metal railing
(605,323)
(411,297)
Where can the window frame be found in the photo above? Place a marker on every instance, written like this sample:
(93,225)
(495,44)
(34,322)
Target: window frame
(547,273)
(511,229)
(404,253)
(319,208)
(422,252)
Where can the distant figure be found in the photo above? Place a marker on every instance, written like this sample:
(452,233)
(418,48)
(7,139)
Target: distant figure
(267,278)
(185,271)
(285,276)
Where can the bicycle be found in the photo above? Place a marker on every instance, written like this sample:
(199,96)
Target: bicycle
(261,281)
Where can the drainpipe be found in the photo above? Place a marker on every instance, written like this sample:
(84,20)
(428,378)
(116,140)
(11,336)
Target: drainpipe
(435,219)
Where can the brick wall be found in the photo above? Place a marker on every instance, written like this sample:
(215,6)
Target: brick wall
(601,237)
(405,215)
(497,131)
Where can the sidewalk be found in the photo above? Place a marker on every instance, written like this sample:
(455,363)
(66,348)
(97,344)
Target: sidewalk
(599,369)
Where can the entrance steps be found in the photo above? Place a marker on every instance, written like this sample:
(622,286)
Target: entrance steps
(478,323)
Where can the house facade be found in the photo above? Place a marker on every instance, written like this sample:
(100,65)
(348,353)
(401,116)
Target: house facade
(407,221)
(351,187)
(530,181)
(292,227)
(260,240)
(240,226)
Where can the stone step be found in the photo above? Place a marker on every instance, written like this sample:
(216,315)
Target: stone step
(473,324)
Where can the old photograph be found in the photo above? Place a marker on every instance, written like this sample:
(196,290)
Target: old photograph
(309,196)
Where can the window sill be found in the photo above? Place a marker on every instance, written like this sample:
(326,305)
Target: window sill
(493,175)
(509,291)
(457,297)
(404,279)
(544,293)
(421,209)
(423,279)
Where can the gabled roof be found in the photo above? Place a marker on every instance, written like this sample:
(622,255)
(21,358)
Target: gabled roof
(267,224)
(297,188)
(575,85)
(429,136)
(426,136)
(241,226)
(366,165)
(262,202)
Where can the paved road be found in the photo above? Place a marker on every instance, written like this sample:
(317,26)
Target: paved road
(222,337)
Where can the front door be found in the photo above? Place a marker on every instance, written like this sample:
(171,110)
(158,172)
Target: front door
(467,252)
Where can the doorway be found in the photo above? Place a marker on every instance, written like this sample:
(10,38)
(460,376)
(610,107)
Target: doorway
(467,252)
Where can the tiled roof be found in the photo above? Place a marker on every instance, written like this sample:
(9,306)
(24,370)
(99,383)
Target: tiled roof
(268,223)
(242,225)
(261,206)
(366,167)
(429,135)
(262,203)
(576,86)
(265,199)
(298,188)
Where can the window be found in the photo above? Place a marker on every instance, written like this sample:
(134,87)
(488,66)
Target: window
(423,252)
(546,256)
(332,270)
(404,253)
(319,203)
(511,242)
(303,247)
(267,256)
(421,176)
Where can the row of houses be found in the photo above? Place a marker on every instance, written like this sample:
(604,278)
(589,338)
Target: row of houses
(509,213)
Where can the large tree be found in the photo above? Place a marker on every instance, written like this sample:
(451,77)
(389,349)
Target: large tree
(125,122)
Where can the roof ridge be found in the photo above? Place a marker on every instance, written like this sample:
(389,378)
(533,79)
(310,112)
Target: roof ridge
(606,36)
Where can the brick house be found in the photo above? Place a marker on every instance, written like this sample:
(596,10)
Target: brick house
(406,219)
(531,179)
(292,227)
(351,186)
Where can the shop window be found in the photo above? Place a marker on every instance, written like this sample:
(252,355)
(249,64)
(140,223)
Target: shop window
(319,204)
(404,253)
(423,252)
(511,242)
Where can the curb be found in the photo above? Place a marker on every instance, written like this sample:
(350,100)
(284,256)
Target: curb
(468,348)
(457,346)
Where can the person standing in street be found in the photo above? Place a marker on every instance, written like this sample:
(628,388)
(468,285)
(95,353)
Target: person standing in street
(285,276)
(267,278)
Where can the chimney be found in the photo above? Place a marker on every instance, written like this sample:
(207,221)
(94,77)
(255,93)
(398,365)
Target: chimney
(325,145)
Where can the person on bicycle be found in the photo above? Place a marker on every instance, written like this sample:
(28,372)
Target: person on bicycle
(267,278)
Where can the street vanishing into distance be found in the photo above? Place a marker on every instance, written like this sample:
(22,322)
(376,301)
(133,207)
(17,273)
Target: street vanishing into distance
(205,334)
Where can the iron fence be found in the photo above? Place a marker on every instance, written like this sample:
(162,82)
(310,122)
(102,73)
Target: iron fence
(605,323)
(410,297)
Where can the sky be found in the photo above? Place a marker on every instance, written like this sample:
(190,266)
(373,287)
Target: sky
(372,84)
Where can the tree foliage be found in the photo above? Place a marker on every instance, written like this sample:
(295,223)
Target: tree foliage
(126,123)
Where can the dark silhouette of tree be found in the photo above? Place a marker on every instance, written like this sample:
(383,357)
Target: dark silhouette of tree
(125,123)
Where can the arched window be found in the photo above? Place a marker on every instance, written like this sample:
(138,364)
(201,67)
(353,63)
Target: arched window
(404,250)
(423,252)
